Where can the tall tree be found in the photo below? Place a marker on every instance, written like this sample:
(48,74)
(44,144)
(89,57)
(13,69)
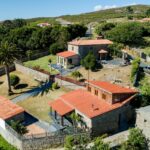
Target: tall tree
(8,53)
(136,141)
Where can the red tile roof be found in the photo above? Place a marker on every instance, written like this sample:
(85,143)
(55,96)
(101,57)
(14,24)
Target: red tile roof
(9,109)
(91,42)
(85,103)
(66,54)
(61,107)
(112,88)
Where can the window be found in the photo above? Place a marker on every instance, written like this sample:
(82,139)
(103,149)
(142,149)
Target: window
(72,48)
(96,92)
(89,89)
(103,96)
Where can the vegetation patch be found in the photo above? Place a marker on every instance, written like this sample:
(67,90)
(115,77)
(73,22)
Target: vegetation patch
(4,145)
(43,63)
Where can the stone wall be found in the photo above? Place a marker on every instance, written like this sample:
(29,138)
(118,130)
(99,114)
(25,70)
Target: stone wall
(143,122)
(11,138)
(36,74)
(113,120)
(68,84)
(2,69)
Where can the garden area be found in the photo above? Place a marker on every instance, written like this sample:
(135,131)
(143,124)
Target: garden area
(121,74)
(38,105)
(5,146)
(26,83)
(43,63)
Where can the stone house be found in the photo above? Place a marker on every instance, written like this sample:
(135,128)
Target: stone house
(78,49)
(9,111)
(143,120)
(102,107)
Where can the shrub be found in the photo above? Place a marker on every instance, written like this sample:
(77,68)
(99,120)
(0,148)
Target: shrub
(14,80)
(55,85)
(29,54)
(18,127)
(55,48)
(76,74)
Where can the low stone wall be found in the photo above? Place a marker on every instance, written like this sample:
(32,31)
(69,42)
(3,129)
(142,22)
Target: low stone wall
(62,81)
(11,137)
(2,69)
(36,74)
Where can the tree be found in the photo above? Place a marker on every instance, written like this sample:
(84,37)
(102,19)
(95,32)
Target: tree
(145,91)
(148,12)
(29,54)
(8,53)
(17,23)
(89,62)
(100,145)
(102,28)
(129,10)
(79,142)
(127,33)
(14,80)
(75,119)
(136,141)
(55,48)
(135,69)
(76,30)
(18,127)
(76,74)
(115,49)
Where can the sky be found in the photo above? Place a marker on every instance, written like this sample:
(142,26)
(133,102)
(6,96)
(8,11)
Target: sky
(11,9)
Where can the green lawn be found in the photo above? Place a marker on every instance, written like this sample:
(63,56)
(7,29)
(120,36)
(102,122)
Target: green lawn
(43,63)
(5,146)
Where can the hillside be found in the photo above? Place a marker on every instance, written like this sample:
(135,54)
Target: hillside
(139,11)
(98,16)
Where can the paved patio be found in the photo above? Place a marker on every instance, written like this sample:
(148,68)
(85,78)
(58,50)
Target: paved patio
(63,71)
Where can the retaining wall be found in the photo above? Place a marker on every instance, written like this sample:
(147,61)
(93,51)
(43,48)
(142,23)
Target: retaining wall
(11,68)
(36,74)
(62,81)
(11,138)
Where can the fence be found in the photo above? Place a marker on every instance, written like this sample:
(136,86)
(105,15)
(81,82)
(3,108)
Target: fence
(68,82)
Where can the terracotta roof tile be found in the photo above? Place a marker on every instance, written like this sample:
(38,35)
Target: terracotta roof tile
(9,109)
(91,42)
(61,107)
(112,88)
(84,102)
(66,54)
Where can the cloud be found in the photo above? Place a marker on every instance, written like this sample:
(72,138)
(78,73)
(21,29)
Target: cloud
(100,7)
(133,4)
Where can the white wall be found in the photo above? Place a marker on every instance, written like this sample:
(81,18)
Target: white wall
(85,119)
(2,123)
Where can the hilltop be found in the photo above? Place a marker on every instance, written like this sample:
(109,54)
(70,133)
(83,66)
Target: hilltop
(97,16)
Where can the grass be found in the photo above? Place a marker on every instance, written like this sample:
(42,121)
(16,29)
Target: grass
(26,83)
(4,145)
(102,15)
(43,63)
(108,74)
(38,106)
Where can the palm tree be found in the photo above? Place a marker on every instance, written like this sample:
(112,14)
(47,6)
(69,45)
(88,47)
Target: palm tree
(8,53)
(76,74)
